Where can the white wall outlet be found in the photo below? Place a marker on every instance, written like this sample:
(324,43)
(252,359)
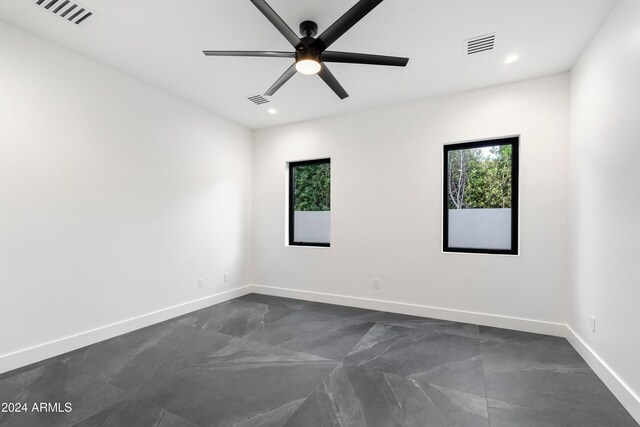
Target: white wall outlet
(593,323)
(376,283)
(226,277)
(201,283)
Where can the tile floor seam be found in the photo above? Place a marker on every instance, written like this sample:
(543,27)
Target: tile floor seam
(551,416)
(484,376)
(524,406)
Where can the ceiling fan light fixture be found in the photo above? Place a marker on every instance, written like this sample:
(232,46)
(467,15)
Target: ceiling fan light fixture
(308,66)
(308,62)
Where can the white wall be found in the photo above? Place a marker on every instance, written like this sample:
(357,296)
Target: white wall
(115,197)
(386,167)
(605,195)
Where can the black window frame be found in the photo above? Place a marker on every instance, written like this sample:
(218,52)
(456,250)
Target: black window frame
(293,165)
(515,185)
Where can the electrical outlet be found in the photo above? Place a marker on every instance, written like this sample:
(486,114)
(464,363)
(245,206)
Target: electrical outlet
(226,277)
(593,324)
(376,283)
(201,283)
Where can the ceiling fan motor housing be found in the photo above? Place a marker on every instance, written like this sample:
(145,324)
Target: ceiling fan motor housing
(304,52)
(308,29)
(307,54)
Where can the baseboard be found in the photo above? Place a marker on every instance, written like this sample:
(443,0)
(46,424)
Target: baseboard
(629,399)
(520,324)
(27,356)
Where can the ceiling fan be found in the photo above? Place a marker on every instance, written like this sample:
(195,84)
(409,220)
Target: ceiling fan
(311,53)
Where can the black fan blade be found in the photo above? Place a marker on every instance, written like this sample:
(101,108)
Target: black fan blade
(291,71)
(265,53)
(275,19)
(346,21)
(332,82)
(364,58)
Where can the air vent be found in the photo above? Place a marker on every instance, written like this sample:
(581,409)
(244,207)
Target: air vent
(71,11)
(481,44)
(258,99)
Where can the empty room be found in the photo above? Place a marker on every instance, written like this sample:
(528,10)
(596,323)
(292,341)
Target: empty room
(267,213)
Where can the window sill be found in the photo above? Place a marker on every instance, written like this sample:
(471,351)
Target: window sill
(307,246)
(480,253)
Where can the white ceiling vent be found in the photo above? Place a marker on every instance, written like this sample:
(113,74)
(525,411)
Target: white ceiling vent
(258,99)
(72,11)
(480,44)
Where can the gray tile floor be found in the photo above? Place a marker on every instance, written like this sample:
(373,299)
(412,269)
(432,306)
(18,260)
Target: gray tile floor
(267,361)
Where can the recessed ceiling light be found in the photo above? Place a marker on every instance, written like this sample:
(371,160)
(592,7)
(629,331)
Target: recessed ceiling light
(272,111)
(511,59)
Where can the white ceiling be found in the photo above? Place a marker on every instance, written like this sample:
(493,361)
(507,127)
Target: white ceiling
(160,42)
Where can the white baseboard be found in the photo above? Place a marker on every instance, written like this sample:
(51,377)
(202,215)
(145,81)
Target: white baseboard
(629,399)
(526,325)
(27,356)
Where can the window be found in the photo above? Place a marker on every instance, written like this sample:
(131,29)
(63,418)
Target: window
(310,203)
(481,197)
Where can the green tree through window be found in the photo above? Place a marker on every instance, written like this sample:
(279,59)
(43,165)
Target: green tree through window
(312,186)
(480,177)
